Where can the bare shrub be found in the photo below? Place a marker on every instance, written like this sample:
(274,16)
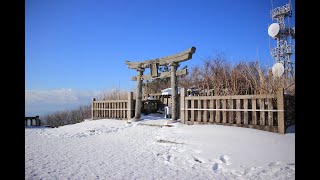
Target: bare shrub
(217,74)
(61,118)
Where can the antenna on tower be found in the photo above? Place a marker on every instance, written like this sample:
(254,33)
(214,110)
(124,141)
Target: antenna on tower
(271,4)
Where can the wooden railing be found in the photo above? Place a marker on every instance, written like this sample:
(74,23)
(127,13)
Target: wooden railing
(264,112)
(113,109)
(34,121)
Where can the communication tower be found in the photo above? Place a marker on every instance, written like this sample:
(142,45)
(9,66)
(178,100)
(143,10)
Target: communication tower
(280,32)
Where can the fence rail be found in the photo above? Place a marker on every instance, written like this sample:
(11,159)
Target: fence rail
(113,109)
(264,112)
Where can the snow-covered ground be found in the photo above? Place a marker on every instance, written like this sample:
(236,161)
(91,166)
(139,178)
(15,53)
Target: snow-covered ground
(114,149)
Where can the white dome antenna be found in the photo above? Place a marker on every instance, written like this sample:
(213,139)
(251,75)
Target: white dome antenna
(278,69)
(274,30)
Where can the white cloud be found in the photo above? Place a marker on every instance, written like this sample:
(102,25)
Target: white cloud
(44,101)
(57,96)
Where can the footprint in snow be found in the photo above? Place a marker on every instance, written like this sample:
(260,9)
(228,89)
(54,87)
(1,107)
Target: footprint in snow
(215,167)
(225,159)
(167,158)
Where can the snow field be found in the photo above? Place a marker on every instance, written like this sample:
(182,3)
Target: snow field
(114,149)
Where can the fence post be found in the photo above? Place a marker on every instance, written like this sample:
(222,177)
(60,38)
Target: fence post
(280,107)
(92,108)
(130,105)
(37,121)
(182,105)
(238,103)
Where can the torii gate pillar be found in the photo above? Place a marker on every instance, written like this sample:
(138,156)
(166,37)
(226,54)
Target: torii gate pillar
(137,116)
(174,89)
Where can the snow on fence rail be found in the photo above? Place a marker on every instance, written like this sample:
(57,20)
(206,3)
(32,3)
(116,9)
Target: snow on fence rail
(264,112)
(113,109)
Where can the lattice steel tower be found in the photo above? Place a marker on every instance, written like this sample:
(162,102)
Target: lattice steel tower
(278,31)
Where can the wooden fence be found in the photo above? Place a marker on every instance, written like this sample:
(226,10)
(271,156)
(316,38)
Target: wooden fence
(113,109)
(264,112)
(34,121)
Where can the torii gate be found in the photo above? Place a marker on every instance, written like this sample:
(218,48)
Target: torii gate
(153,64)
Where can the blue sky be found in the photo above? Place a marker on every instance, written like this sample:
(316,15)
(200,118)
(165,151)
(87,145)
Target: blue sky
(77,48)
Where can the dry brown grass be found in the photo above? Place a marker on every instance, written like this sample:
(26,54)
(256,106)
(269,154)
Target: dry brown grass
(113,94)
(218,75)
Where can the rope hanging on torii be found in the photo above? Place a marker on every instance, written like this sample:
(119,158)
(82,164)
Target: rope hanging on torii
(173,61)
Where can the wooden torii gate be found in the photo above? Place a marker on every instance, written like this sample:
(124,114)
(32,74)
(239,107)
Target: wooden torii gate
(153,64)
